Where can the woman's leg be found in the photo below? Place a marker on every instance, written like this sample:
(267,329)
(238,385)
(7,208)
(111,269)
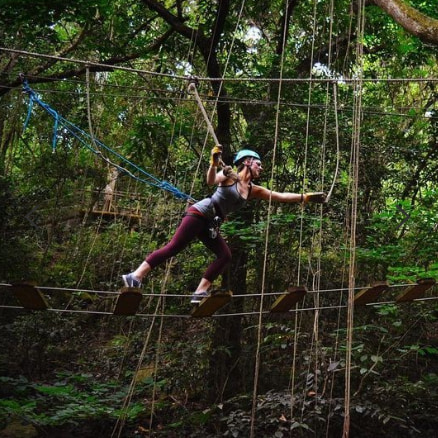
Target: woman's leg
(223,257)
(203,286)
(188,229)
(142,270)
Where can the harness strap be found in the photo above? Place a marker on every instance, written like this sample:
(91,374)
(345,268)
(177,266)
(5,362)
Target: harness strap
(249,190)
(196,213)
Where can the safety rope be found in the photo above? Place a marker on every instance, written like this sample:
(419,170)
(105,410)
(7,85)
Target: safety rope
(338,149)
(85,139)
(227,170)
(192,89)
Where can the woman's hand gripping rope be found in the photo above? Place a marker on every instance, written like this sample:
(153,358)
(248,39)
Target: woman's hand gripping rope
(315,197)
(216,156)
(216,161)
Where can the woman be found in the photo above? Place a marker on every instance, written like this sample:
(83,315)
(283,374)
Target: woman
(202,220)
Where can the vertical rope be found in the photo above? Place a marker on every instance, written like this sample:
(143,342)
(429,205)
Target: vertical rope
(357,114)
(304,184)
(265,258)
(118,428)
(318,244)
(306,143)
(90,123)
(345,245)
(93,139)
(162,301)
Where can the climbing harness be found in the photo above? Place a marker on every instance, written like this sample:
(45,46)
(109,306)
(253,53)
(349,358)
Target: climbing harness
(215,225)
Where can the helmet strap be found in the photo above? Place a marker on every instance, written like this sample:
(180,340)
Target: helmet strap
(249,168)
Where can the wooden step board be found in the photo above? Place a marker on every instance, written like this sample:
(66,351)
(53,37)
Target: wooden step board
(211,304)
(285,302)
(128,301)
(29,296)
(371,293)
(416,290)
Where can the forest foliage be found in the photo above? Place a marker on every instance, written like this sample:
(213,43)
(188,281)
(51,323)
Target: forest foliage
(303,85)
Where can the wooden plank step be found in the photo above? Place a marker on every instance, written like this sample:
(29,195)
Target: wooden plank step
(416,290)
(212,304)
(29,296)
(285,302)
(128,301)
(370,294)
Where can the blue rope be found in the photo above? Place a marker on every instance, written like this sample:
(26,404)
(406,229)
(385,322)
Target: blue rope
(79,134)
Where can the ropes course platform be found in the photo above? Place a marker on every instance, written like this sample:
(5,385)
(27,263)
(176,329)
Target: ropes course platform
(210,305)
(116,204)
(128,301)
(370,294)
(416,290)
(285,302)
(29,296)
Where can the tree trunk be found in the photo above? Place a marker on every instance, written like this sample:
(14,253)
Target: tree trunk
(225,376)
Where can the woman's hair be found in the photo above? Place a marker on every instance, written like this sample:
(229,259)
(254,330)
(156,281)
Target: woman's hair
(229,173)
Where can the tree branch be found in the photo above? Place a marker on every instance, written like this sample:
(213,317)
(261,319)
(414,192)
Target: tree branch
(207,47)
(115,60)
(285,24)
(176,23)
(413,21)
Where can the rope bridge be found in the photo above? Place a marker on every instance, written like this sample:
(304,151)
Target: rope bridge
(34,297)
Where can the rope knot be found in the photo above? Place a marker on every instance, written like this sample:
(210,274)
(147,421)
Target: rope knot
(193,83)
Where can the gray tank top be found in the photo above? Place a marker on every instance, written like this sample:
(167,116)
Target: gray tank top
(224,200)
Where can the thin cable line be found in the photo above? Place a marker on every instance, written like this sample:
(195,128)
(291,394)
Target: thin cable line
(220,315)
(304,189)
(241,100)
(206,97)
(339,289)
(207,79)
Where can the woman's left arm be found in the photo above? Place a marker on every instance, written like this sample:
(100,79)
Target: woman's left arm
(259,192)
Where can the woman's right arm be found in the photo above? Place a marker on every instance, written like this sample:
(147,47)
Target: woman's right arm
(214,177)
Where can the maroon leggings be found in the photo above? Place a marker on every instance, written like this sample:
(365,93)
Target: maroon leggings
(192,227)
